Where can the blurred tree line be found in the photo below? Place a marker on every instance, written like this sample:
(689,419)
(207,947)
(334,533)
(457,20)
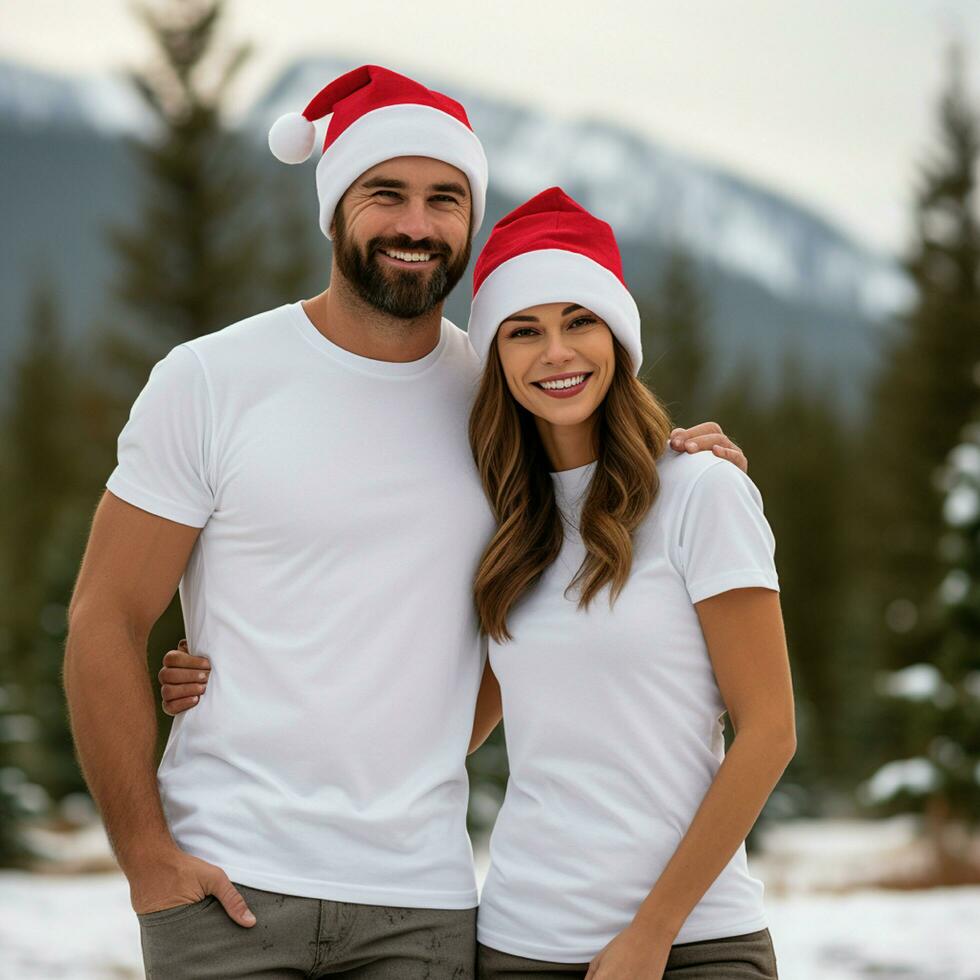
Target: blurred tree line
(878,548)
(196,258)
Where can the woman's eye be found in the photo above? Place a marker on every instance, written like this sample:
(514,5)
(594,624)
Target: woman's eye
(582,320)
(523,332)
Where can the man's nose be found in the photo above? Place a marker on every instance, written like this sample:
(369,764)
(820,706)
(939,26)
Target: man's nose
(414,220)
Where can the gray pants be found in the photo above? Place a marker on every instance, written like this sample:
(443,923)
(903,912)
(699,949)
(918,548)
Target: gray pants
(307,938)
(748,957)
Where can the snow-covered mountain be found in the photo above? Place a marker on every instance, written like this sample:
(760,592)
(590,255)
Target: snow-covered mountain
(780,280)
(35,98)
(649,193)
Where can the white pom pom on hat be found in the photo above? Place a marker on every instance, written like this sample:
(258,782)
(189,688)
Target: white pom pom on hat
(291,138)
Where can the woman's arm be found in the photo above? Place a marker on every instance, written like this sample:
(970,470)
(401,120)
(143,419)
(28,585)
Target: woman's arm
(744,632)
(488,709)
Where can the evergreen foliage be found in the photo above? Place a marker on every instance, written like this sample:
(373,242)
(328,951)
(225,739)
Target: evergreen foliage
(926,392)
(196,257)
(193,259)
(674,338)
(40,486)
(923,568)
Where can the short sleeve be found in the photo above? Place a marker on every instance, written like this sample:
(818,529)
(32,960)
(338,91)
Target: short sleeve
(164,448)
(725,541)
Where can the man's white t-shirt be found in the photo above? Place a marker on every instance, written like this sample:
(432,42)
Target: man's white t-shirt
(613,723)
(331,586)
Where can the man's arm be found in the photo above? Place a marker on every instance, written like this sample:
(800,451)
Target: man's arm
(132,566)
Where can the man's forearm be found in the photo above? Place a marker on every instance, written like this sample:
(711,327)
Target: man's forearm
(113,720)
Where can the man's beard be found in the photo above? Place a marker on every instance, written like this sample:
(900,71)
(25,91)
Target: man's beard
(405,295)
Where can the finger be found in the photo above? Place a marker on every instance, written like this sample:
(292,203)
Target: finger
(176,707)
(231,898)
(734,454)
(179,675)
(703,429)
(177,658)
(679,437)
(171,692)
(707,440)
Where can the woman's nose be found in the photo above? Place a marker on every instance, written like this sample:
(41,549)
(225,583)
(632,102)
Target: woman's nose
(557,351)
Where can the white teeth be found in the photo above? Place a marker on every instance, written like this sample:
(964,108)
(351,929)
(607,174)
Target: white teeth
(563,382)
(409,256)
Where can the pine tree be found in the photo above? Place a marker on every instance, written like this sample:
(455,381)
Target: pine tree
(674,338)
(937,703)
(194,258)
(925,394)
(293,270)
(955,746)
(192,262)
(925,397)
(39,482)
(803,461)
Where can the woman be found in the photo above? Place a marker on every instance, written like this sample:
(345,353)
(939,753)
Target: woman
(630,598)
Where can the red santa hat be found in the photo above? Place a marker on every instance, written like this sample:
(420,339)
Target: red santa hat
(551,250)
(377,115)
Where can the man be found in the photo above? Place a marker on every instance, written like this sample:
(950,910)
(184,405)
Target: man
(305,476)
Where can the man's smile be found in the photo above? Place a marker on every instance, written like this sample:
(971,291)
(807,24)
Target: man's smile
(408,259)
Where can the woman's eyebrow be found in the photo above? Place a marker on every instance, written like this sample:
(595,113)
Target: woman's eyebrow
(525,318)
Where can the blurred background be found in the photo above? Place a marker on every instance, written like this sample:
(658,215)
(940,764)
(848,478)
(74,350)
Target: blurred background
(794,188)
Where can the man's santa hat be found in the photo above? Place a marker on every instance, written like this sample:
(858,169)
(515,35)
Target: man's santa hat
(551,250)
(378,115)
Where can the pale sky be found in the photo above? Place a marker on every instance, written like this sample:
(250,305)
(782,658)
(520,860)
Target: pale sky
(829,101)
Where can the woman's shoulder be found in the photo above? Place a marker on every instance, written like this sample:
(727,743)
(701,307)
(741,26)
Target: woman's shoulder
(680,471)
(705,476)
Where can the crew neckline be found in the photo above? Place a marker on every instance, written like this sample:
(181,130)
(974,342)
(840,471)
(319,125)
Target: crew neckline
(571,485)
(366,365)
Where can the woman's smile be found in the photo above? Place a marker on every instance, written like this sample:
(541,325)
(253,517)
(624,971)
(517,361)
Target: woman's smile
(564,385)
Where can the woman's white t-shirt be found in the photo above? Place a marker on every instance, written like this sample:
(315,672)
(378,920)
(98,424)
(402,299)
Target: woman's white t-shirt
(614,723)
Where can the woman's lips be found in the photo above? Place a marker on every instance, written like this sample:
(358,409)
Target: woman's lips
(569,392)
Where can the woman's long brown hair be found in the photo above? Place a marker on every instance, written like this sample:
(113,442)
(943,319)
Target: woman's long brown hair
(631,432)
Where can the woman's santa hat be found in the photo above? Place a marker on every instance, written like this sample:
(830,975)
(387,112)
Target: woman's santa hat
(378,115)
(551,250)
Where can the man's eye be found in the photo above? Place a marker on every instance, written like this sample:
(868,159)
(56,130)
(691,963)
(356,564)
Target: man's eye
(391,193)
(445,199)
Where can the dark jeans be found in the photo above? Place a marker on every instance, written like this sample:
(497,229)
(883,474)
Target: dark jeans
(748,957)
(307,938)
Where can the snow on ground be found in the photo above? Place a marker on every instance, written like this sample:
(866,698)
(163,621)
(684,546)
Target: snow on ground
(80,926)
